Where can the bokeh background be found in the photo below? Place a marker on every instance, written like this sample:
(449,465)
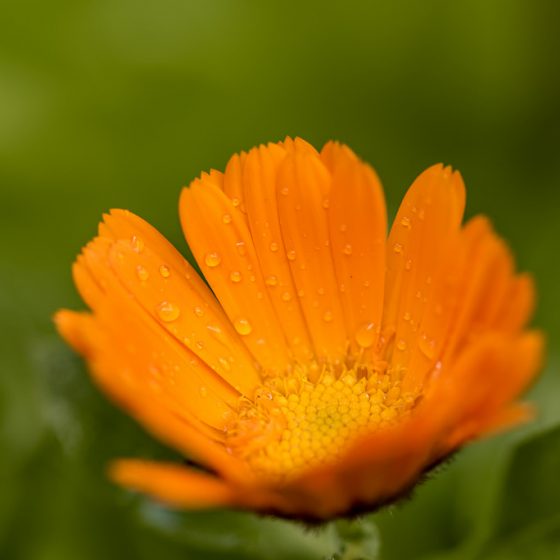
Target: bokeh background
(118,103)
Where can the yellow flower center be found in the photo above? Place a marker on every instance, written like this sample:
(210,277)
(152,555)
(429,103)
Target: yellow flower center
(293,423)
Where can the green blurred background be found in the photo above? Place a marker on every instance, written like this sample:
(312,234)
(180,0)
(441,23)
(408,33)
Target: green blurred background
(118,103)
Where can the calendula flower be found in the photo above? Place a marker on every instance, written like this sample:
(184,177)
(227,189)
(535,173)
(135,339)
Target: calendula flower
(327,366)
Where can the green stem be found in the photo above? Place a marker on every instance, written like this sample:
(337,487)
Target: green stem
(356,540)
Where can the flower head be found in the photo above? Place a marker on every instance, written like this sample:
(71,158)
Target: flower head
(328,365)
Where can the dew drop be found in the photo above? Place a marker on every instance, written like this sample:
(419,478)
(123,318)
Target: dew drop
(137,244)
(407,316)
(398,248)
(226,218)
(271,280)
(291,255)
(285,191)
(236,202)
(347,249)
(214,328)
(274,247)
(224,363)
(405,222)
(300,293)
(365,335)
(198,311)
(321,291)
(168,311)
(328,316)
(343,228)
(203,392)
(212,259)
(326,203)
(164,271)
(427,346)
(235,276)
(401,345)
(241,249)
(142,273)
(242,326)
(286,296)
(408,264)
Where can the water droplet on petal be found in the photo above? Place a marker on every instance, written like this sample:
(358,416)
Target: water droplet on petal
(427,346)
(300,293)
(198,311)
(407,316)
(236,202)
(212,259)
(271,280)
(285,191)
(241,249)
(347,249)
(398,248)
(328,316)
(286,296)
(321,291)
(343,228)
(365,335)
(405,222)
(326,203)
(224,363)
(168,311)
(164,271)
(203,391)
(142,273)
(401,345)
(291,255)
(137,244)
(274,247)
(235,276)
(226,218)
(408,264)
(242,326)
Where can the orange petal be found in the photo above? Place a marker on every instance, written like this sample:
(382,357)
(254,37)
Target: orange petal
(303,188)
(427,222)
(149,396)
(358,227)
(121,316)
(158,275)
(260,182)
(486,379)
(488,293)
(226,255)
(174,485)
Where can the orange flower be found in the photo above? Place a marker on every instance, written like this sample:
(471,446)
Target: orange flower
(331,366)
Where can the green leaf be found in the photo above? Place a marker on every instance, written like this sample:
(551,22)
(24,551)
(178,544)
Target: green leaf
(529,514)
